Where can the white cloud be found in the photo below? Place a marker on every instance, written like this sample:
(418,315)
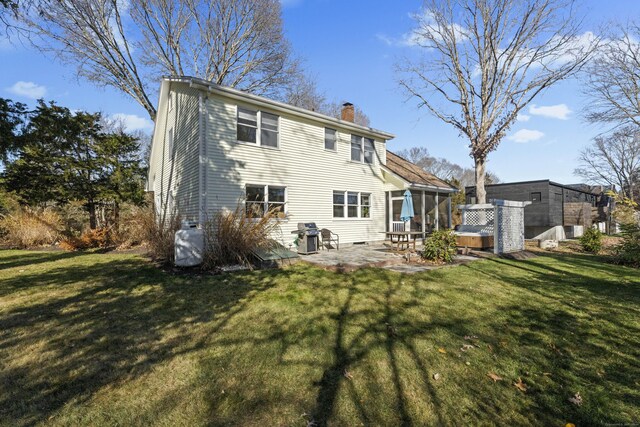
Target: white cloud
(560,111)
(132,122)
(28,90)
(523,117)
(526,135)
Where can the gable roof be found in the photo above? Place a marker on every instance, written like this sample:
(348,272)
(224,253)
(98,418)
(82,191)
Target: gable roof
(413,173)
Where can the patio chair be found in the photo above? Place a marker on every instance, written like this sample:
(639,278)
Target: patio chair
(328,237)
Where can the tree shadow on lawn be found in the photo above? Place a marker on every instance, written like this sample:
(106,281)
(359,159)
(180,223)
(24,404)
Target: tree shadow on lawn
(591,325)
(101,321)
(22,259)
(373,355)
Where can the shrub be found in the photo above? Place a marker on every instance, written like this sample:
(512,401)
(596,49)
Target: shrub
(133,226)
(96,238)
(628,252)
(231,237)
(28,227)
(440,246)
(591,240)
(158,233)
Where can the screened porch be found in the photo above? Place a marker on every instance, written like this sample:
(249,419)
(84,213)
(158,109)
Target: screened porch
(432,211)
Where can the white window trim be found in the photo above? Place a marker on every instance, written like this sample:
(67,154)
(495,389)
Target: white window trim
(362,150)
(335,141)
(346,205)
(265,202)
(258,142)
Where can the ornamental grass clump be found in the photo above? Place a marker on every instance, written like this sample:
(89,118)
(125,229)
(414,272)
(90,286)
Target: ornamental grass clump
(440,247)
(27,227)
(591,240)
(232,236)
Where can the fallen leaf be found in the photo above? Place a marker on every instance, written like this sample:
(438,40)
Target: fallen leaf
(546,374)
(436,376)
(569,425)
(520,385)
(576,399)
(442,350)
(470,337)
(348,375)
(466,347)
(490,347)
(494,377)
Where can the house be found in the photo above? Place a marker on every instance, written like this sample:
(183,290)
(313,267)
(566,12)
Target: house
(552,204)
(214,147)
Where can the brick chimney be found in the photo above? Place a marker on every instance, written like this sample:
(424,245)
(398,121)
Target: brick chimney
(348,113)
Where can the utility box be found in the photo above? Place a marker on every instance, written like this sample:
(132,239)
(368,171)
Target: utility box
(189,245)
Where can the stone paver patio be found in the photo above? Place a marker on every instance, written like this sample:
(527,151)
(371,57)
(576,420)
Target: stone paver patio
(353,257)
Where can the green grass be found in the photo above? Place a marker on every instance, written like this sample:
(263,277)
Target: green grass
(107,339)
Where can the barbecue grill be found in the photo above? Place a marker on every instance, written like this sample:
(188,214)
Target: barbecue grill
(308,234)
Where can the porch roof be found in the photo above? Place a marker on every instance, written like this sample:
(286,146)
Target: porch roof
(414,174)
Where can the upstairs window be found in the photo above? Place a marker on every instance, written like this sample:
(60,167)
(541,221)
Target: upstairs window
(247,125)
(356,148)
(329,139)
(362,149)
(369,149)
(268,130)
(257,127)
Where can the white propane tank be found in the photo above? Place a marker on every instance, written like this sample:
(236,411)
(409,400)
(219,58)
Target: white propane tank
(189,244)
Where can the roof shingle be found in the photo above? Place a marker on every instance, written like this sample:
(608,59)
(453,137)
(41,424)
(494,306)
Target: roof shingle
(413,173)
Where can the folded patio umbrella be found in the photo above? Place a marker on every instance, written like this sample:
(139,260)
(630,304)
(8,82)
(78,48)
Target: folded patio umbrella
(407,207)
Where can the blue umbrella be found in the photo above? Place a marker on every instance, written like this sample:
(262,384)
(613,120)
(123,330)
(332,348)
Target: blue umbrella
(407,207)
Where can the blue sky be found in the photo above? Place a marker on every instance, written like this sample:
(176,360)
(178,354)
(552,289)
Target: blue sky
(350,48)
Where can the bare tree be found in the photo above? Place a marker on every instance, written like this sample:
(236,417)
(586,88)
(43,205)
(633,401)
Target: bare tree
(444,169)
(614,160)
(613,80)
(304,93)
(129,45)
(485,60)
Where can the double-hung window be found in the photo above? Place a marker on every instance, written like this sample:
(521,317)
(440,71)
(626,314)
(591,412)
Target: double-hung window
(362,149)
(351,204)
(330,139)
(263,199)
(257,127)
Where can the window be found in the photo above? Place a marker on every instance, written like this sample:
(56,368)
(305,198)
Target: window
(356,148)
(261,199)
(365,205)
(362,149)
(329,139)
(170,101)
(247,125)
(351,204)
(536,197)
(368,150)
(257,127)
(268,130)
(338,204)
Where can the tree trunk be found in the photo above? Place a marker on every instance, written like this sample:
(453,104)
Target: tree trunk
(481,194)
(92,215)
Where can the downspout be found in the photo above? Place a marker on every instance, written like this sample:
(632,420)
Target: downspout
(202,166)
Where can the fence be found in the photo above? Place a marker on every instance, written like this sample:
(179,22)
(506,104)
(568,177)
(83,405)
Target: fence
(502,218)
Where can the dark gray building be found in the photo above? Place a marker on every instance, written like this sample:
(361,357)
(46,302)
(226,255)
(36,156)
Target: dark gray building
(552,204)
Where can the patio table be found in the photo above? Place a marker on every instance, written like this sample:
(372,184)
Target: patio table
(403,238)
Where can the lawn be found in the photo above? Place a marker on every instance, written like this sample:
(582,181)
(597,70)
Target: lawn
(108,339)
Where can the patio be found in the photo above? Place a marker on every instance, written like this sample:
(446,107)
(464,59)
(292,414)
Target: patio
(380,255)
